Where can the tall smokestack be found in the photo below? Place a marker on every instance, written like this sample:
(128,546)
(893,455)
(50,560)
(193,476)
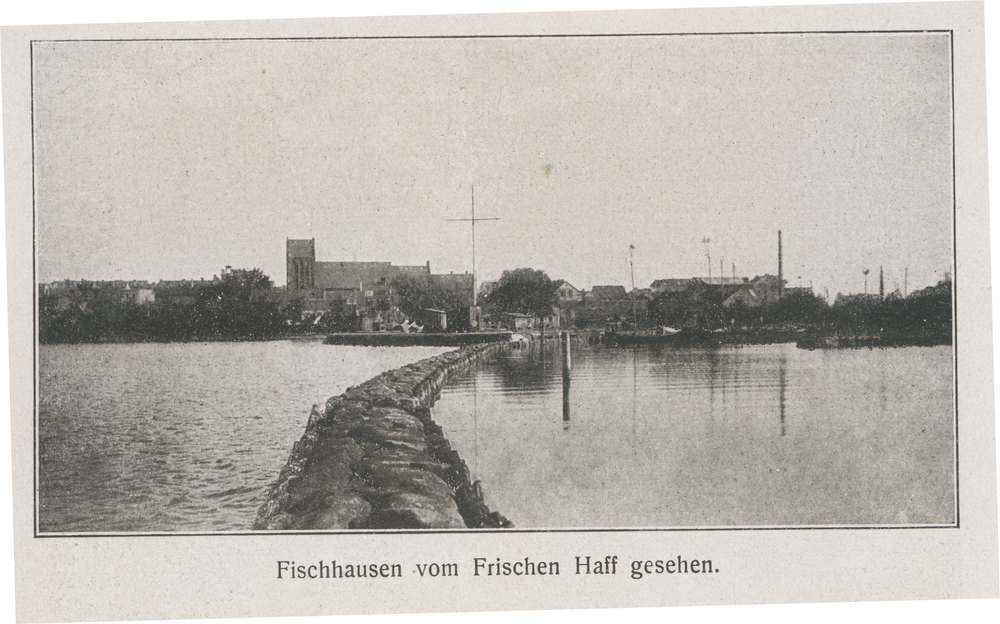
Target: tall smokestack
(781,275)
(881,285)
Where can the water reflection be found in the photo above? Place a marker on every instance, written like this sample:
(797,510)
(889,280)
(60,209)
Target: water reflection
(181,436)
(781,391)
(635,384)
(524,371)
(565,396)
(696,444)
(567,365)
(475,425)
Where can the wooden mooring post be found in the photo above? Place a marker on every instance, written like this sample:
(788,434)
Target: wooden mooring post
(567,363)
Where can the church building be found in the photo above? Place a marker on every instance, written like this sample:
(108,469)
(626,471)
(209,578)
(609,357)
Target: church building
(351,282)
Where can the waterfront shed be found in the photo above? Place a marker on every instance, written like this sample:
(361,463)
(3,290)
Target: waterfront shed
(435,319)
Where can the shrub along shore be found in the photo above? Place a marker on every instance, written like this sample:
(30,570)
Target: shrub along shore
(373,458)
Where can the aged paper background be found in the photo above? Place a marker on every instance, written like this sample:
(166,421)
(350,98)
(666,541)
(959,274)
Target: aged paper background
(949,567)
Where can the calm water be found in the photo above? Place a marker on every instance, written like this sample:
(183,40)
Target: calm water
(180,437)
(748,436)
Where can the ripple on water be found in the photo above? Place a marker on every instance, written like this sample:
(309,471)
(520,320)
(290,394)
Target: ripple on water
(761,435)
(139,437)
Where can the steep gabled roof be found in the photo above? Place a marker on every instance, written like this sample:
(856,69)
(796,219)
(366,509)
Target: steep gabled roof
(560,283)
(609,292)
(349,275)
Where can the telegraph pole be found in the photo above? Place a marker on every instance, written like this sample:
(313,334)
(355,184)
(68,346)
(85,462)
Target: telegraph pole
(708,254)
(631,266)
(781,275)
(473,222)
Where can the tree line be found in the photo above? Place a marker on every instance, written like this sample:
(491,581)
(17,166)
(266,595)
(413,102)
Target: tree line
(925,316)
(237,306)
(242,305)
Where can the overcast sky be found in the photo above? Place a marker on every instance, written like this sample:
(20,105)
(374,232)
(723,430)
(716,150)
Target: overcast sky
(167,160)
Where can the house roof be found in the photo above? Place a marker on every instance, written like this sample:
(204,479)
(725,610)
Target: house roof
(767,280)
(349,275)
(608,292)
(671,284)
(745,295)
(724,281)
(453,280)
(560,283)
(679,284)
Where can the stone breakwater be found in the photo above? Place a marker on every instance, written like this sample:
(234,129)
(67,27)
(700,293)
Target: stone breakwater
(399,339)
(373,458)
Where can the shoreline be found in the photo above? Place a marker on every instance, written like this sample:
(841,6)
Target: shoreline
(373,458)
(835,340)
(699,338)
(804,338)
(362,339)
(399,339)
(139,340)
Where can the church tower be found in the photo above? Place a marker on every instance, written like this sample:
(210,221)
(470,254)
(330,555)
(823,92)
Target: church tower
(300,264)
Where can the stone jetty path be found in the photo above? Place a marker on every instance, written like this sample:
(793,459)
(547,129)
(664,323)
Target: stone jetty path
(373,458)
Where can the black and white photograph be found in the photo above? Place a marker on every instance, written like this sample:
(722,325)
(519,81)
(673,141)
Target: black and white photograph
(713,274)
(508,282)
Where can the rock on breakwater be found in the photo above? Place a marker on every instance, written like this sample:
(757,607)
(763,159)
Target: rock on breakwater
(373,458)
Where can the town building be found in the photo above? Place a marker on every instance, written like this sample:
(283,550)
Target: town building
(672,285)
(516,321)
(323,285)
(761,290)
(138,296)
(337,279)
(83,295)
(608,294)
(568,293)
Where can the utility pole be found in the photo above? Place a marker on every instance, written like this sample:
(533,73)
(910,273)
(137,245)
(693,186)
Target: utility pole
(473,221)
(708,254)
(781,275)
(631,267)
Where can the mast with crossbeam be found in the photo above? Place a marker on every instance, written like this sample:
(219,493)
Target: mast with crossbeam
(473,221)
